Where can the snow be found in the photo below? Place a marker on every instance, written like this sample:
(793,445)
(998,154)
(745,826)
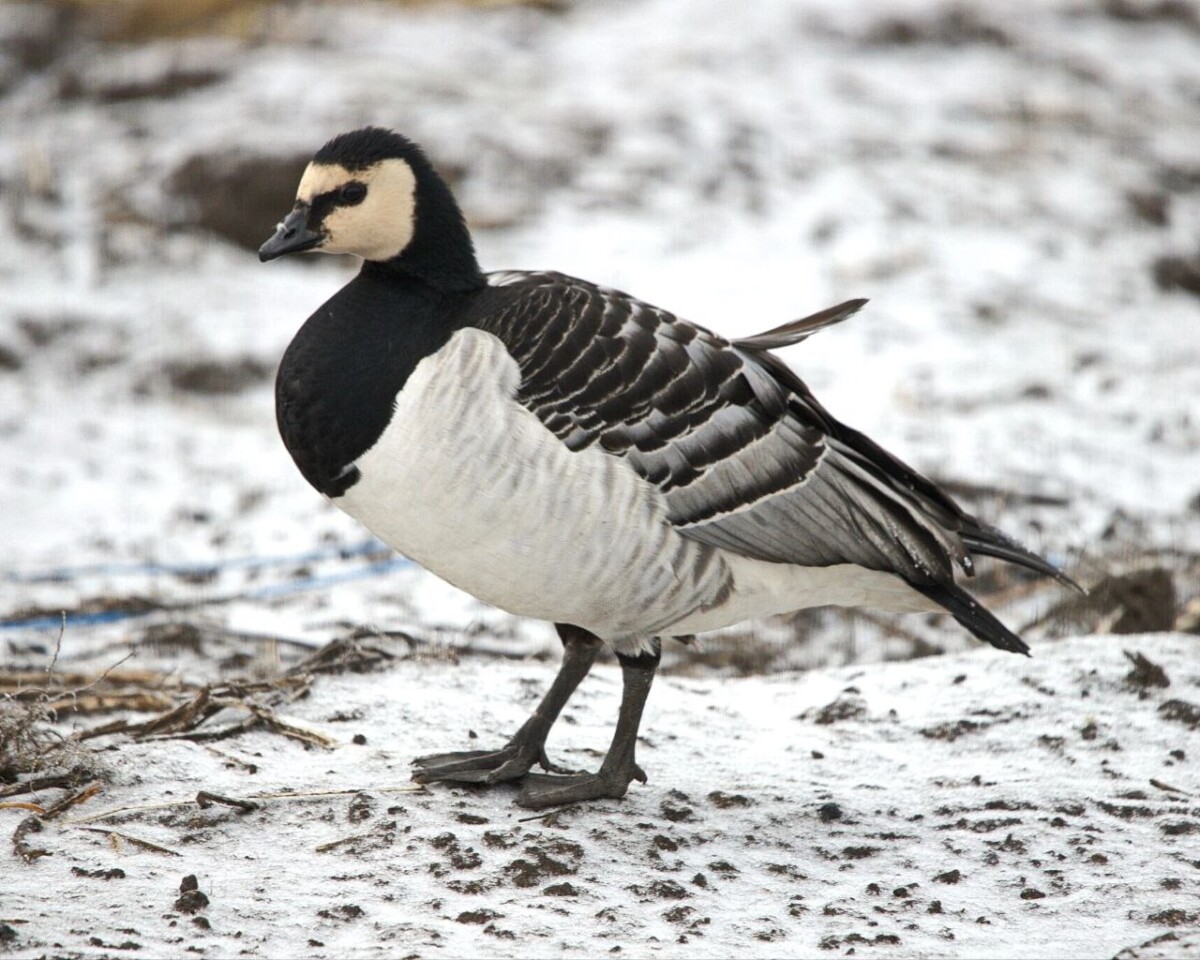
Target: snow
(974,185)
(972,805)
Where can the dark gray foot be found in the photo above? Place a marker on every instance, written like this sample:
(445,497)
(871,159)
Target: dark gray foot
(620,767)
(510,762)
(527,747)
(539,791)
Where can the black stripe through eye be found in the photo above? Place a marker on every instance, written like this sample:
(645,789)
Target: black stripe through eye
(352,193)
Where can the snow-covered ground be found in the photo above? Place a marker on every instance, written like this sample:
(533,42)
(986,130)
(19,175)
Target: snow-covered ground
(970,805)
(1017,189)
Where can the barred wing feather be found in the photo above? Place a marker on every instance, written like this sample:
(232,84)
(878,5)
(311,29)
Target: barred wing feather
(746,458)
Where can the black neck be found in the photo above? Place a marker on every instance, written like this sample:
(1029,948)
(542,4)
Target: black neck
(441,252)
(339,379)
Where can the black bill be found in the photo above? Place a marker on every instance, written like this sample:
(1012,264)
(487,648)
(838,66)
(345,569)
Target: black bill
(292,236)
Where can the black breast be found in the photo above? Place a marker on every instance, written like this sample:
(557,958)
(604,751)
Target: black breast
(337,383)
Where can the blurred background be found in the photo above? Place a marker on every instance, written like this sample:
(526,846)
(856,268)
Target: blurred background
(1016,187)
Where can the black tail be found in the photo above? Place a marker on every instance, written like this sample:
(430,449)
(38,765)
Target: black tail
(796,331)
(980,537)
(973,615)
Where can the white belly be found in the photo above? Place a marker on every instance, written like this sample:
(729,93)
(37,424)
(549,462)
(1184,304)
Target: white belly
(473,487)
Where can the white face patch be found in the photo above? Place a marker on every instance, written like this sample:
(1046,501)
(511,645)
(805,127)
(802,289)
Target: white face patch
(381,226)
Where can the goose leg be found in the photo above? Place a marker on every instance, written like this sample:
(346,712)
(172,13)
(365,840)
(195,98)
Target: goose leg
(619,768)
(528,745)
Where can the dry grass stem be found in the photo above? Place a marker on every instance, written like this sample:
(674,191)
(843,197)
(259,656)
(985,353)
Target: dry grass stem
(115,838)
(72,800)
(252,798)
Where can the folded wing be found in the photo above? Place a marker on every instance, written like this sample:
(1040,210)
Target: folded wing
(743,454)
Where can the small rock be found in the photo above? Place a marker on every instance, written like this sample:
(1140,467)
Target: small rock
(1178,273)
(1144,601)
(954,27)
(678,914)
(829,812)
(726,800)
(361,808)
(10,359)
(676,813)
(667,890)
(190,900)
(847,706)
(477,916)
(346,912)
(1145,672)
(1181,711)
(1174,917)
(1152,206)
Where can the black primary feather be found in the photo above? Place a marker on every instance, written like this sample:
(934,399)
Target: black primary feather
(973,615)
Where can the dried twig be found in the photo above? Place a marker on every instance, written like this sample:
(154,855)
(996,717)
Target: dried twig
(22,805)
(41,783)
(539,816)
(290,728)
(334,844)
(71,800)
(137,842)
(346,653)
(254,797)
(23,684)
(183,717)
(62,629)
(231,760)
(211,733)
(104,674)
(114,726)
(138,701)
(123,811)
(1168,788)
(21,846)
(204,800)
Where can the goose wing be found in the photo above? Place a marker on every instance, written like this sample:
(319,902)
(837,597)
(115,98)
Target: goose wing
(744,456)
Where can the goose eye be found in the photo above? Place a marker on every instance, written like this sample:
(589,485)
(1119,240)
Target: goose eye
(352,193)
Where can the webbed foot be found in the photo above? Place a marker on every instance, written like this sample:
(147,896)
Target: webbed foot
(528,745)
(619,768)
(511,762)
(539,790)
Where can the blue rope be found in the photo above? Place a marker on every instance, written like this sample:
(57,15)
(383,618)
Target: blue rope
(150,568)
(73,620)
(287,588)
(304,584)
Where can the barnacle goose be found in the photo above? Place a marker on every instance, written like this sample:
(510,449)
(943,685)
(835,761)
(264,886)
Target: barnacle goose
(565,451)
